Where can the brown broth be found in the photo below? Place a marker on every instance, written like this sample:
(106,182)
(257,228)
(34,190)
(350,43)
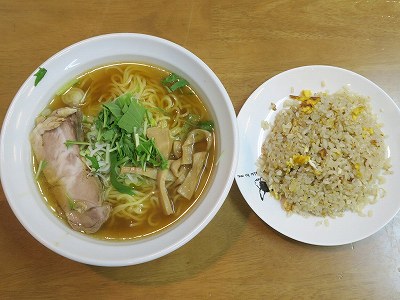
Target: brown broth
(119,228)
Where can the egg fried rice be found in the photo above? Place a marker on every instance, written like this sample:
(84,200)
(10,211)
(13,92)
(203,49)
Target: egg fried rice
(325,154)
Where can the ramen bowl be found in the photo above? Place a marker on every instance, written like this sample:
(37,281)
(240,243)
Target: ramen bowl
(17,175)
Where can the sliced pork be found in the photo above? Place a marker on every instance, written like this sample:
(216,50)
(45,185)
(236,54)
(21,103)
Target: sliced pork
(78,194)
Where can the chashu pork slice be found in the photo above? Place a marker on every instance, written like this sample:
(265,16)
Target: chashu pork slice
(78,194)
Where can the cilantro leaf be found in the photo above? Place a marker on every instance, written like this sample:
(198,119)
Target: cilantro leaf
(108,135)
(120,187)
(39,75)
(173,82)
(93,161)
(179,84)
(114,108)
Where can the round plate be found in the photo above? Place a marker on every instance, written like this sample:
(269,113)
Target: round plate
(315,230)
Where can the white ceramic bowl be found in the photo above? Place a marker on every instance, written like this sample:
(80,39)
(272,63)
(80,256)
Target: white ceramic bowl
(16,157)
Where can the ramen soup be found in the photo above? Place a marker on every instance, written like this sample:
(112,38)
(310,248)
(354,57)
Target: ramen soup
(123,151)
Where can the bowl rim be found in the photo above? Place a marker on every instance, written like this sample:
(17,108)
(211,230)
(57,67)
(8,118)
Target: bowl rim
(225,169)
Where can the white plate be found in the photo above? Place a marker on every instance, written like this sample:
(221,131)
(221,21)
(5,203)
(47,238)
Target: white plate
(351,227)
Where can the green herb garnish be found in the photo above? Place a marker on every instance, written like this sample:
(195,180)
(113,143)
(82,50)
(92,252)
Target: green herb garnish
(133,117)
(39,75)
(120,187)
(122,123)
(93,161)
(71,203)
(193,121)
(173,82)
(118,137)
(206,125)
(42,165)
(69,143)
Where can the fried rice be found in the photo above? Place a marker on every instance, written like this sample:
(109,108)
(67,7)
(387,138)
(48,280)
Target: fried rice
(325,154)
